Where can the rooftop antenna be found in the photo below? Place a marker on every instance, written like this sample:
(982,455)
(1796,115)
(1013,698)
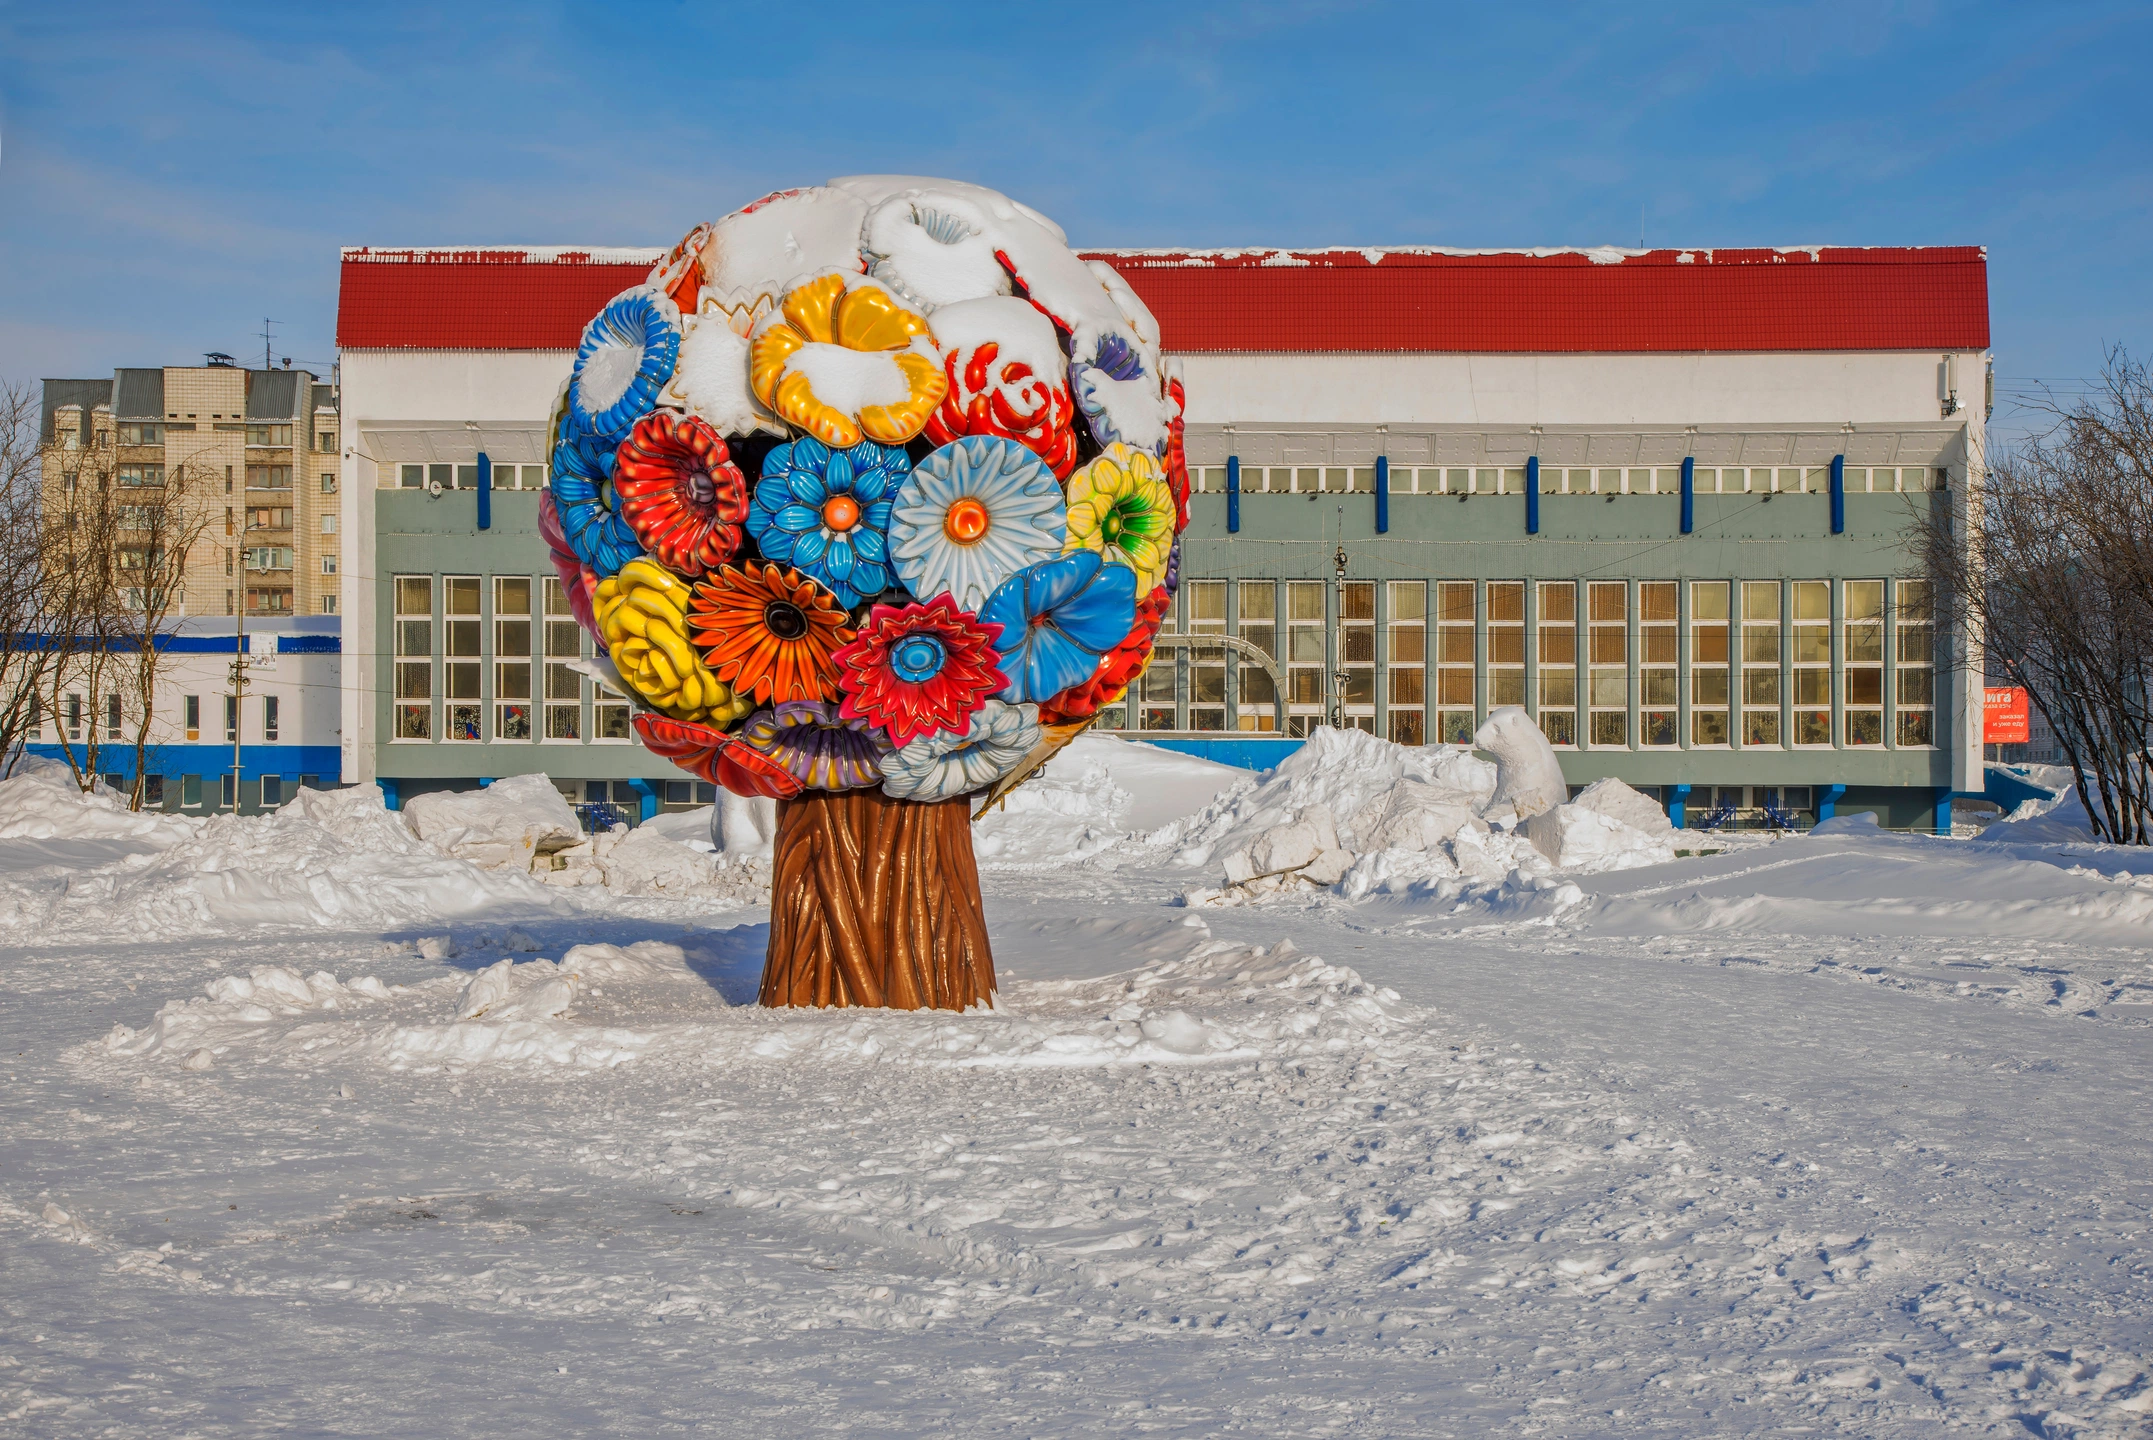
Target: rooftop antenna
(267,338)
(217,359)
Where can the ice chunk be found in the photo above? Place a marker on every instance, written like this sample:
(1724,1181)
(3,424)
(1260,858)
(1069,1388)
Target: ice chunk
(505,824)
(1618,801)
(1528,777)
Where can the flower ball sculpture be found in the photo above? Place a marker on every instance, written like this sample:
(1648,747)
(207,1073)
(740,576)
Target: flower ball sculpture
(871,495)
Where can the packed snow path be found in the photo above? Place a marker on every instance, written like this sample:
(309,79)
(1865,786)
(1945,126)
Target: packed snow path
(1843,1135)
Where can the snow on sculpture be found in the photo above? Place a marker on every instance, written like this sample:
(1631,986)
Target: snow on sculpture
(871,498)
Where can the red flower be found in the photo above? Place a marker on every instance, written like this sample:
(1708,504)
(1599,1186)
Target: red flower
(1117,669)
(1009,400)
(680,492)
(919,669)
(715,756)
(1177,457)
(768,632)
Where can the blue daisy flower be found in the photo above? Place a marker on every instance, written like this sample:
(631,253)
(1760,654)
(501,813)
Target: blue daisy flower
(1058,618)
(826,513)
(628,353)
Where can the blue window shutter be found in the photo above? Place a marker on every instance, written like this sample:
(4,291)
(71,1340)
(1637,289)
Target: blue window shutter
(1382,494)
(1532,495)
(485,492)
(1689,493)
(1838,494)
(1233,494)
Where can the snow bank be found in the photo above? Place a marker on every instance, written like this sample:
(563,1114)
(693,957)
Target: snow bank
(329,858)
(42,802)
(508,823)
(1528,777)
(1096,794)
(1608,827)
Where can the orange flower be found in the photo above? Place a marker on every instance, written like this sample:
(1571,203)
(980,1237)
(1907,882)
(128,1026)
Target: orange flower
(768,632)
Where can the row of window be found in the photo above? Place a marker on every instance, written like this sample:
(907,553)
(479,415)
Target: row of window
(1603,664)
(534,691)
(465,477)
(1598,480)
(74,713)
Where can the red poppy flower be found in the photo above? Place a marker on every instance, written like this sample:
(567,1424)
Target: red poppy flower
(680,492)
(768,632)
(1177,457)
(919,669)
(1117,669)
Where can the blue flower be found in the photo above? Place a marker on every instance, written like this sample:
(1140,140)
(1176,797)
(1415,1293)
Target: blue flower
(1058,618)
(599,534)
(974,513)
(826,513)
(628,353)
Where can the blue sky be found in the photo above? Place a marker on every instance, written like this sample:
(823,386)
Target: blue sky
(170,174)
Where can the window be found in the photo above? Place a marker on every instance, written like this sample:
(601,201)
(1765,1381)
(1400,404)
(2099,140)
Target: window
(328,564)
(328,484)
(74,717)
(192,706)
(414,657)
(269,435)
(113,722)
(269,477)
(270,709)
(612,715)
(411,477)
(1405,659)
(230,788)
(1914,662)
(268,557)
(136,433)
(1256,703)
(325,442)
(467,477)
(328,524)
(1760,662)
(1456,716)
(190,791)
(564,686)
(153,791)
(1558,661)
(1506,643)
(328,604)
(1708,662)
(460,636)
(1304,655)
(272,791)
(1357,654)
(1608,642)
(1812,632)
(1205,602)
(269,517)
(512,657)
(1864,620)
(137,475)
(231,717)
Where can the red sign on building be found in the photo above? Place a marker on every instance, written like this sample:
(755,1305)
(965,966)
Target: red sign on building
(2006,716)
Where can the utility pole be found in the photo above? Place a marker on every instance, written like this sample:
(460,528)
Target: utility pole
(239,677)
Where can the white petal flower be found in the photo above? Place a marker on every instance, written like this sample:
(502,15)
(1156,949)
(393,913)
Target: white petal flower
(974,513)
(945,764)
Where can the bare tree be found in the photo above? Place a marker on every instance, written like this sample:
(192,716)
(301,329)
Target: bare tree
(2056,576)
(24,653)
(155,528)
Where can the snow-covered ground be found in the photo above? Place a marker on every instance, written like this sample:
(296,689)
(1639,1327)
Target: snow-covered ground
(311,1126)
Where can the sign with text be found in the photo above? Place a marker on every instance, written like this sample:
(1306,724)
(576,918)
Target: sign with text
(2006,716)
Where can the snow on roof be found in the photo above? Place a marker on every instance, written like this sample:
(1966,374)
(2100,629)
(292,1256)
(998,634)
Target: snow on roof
(1350,299)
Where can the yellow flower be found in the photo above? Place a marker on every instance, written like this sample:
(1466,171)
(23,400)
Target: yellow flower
(642,614)
(842,359)
(1120,506)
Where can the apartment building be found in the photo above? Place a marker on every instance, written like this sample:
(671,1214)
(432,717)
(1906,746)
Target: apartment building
(1660,499)
(255,452)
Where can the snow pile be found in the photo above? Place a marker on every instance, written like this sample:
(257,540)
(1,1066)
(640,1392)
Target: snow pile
(1095,796)
(328,858)
(509,1012)
(1366,816)
(42,802)
(510,823)
(2061,821)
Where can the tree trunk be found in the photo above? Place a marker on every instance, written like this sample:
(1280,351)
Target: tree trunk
(875,901)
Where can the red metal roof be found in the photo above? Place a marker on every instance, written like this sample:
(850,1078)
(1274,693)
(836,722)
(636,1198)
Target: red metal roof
(1416,300)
